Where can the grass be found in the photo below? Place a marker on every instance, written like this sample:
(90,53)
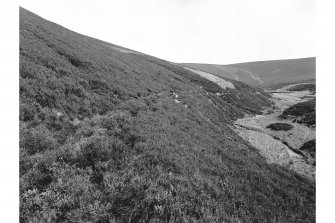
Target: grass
(102,140)
(276,86)
(270,73)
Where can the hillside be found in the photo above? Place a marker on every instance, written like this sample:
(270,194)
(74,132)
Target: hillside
(108,134)
(279,86)
(303,112)
(263,72)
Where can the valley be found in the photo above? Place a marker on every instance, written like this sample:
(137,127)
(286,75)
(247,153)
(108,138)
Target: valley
(108,134)
(281,146)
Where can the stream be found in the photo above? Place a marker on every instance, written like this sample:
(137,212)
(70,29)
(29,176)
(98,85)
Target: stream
(280,147)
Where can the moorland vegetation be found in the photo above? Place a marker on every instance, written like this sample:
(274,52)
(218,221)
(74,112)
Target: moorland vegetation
(108,136)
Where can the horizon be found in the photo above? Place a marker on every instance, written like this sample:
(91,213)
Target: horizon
(146,34)
(257,61)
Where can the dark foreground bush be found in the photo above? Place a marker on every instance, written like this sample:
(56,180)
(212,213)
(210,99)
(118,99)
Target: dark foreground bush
(280,127)
(303,113)
(309,147)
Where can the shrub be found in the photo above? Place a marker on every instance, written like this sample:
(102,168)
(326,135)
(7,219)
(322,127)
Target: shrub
(309,147)
(138,160)
(280,127)
(38,140)
(91,151)
(27,112)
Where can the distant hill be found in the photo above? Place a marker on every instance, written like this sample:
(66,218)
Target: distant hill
(287,84)
(108,134)
(263,72)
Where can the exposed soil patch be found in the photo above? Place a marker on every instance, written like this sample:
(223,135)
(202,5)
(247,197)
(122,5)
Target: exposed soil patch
(221,82)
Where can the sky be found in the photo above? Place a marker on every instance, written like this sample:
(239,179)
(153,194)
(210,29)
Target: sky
(192,31)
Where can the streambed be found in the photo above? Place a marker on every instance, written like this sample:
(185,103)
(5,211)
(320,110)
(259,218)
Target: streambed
(280,147)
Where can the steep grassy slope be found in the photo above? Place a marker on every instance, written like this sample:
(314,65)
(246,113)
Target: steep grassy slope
(108,134)
(263,72)
(303,113)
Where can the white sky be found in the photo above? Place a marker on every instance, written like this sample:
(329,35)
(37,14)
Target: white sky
(198,31)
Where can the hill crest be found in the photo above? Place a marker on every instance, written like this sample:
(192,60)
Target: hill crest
(263,72)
